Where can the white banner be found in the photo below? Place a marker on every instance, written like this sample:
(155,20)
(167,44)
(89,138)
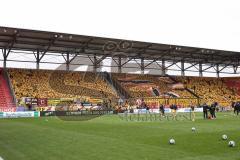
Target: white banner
(168,110)
(19,114)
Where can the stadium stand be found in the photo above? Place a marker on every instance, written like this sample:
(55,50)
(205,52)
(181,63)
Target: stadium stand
(210,89)
(233,84)
(59,84)
(62,84)
(151,86)
(98,53)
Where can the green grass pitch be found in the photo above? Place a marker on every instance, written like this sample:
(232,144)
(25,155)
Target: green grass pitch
(110,138)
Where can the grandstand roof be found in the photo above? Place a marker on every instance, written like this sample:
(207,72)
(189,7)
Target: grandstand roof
(54,42)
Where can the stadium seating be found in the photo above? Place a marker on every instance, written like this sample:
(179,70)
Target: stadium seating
(6,99)
(63,84)
(144,85)
(233,84)
(59,84)
(210,89)
(221,90)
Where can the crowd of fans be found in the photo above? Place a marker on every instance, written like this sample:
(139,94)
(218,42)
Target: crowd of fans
(210,89)
(58,84)
(91,81)
(63,84)
(139,90)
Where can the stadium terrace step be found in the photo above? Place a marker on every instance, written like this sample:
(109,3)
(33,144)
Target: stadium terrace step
(5,95)
(116,85)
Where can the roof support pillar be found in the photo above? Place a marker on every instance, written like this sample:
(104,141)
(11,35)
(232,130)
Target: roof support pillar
(142,66)
(37,60)
(200,69)
(182,68)
(67,62)
(119,64)
(217,70)
(235,69)
(39,56)
(5,58)
(163,68)
(94,63)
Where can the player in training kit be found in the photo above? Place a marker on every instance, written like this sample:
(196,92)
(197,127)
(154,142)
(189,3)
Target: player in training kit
(237,107)
(213,110)
(234,106)
(161,110)
(205,111)
(192,107)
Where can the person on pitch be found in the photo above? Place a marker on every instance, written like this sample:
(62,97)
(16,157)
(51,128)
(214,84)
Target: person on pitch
(174,110)
(147,108)
(192,109)
(237,108)
(161,110)
(215,104)
(205,111)
(211,110)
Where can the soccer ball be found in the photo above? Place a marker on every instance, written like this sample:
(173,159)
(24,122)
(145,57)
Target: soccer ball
(224,137)
(193,129)
(172,141)
(231,144)
(1,158)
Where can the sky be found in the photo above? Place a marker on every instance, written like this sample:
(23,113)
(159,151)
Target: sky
(199,23)
(213,24)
